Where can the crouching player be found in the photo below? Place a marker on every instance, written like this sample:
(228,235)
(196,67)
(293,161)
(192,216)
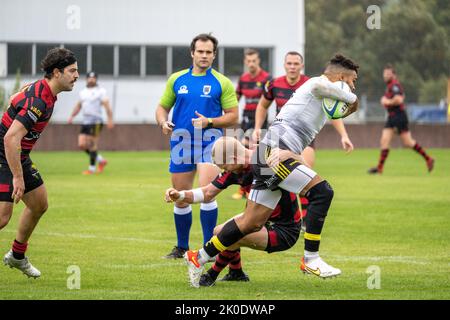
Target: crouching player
(280,232)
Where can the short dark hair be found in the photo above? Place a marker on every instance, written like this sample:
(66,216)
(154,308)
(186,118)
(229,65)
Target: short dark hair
(205,37)
(390,67)
(58,58)
(294,53)
(340,60)
(250,52)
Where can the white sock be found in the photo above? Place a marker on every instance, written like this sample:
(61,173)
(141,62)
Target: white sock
(203,257)
(92,168)
(311,255)
(99,157)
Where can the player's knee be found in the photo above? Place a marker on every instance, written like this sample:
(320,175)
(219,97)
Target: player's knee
(3,222)
(40,208)
(217,229)
(252,226)
(320,197)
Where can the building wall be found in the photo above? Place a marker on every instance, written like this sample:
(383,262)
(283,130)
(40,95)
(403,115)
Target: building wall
(249,23)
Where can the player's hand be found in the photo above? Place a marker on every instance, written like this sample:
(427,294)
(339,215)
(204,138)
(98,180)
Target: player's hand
(70,120)
(277,156)
(200,122)
(172,195)
(18,189)
(256,135)
(110,125)
(384,101)
(352,108)
(167,127)
(347,145)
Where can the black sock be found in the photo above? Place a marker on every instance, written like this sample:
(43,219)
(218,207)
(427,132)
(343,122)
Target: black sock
(93,157)
(319,197)
(229,235)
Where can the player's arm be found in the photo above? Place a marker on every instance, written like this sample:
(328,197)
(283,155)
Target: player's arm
(109,113)
(165,104)
(395,101)
(279,155)
(12,141)
(261,115)
(75,111)
(203,194)
(347,145)
(324,88)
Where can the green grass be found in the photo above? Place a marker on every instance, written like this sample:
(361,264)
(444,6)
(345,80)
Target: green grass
(116,228)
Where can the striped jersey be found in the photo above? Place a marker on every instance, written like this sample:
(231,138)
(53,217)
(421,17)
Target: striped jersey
(32,108)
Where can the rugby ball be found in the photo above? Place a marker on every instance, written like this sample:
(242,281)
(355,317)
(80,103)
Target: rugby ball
(335,109)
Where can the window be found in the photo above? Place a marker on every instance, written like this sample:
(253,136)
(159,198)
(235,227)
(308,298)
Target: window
(181,58)
(130,60)
(19,58)
(103,59)
(234,61)
(41,52)
(155,61)
(80,52)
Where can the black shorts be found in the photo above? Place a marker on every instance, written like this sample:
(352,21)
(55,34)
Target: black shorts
(91,129)
(248,122)
(31,177)
(281,237)
(397,120)
(266,177)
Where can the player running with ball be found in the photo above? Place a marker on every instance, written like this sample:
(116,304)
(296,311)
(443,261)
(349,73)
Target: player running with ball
(298,123)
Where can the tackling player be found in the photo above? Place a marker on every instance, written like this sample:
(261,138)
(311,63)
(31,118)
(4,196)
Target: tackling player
(279,233)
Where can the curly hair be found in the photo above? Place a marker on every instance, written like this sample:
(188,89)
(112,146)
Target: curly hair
(58,58)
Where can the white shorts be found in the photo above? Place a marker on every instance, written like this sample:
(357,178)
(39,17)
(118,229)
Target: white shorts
(295,182)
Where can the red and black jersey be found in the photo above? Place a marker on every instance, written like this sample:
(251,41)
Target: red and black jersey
(32,108)
(281,91)
(287,210)
(393,89)
(252,88)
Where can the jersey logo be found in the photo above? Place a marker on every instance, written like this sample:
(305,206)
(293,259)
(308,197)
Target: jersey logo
(183,90)
(206,91)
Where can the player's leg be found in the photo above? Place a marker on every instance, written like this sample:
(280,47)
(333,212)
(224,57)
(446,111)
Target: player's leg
(232,257)
(100,161)
(6,201)
(182,212)
(36,205)
(409,142)
(6,209)
(208,210)
(252,220)
(386,137)
(309,155)
(319,193)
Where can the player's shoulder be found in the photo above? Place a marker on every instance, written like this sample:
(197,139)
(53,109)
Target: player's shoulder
(176,75)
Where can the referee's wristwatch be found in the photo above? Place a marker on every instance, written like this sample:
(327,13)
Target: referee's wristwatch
(210,123)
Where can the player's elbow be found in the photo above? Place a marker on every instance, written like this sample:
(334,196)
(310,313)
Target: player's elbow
(208,196)
(319,89)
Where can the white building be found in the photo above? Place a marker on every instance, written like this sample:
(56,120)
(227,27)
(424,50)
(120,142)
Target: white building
(135,45)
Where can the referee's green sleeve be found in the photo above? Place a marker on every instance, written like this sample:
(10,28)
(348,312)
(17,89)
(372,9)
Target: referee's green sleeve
(228,99)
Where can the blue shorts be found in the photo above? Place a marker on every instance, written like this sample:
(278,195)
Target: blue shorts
(184,158)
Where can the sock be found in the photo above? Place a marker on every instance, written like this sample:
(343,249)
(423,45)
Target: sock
(92,157)
(309,255)
(304,202)
(383,155)
(420,151)
(235,263)
(319,197)
(99,157)
(229,235)
(208,219)
(222,260)
(183,222)
(92,168)
(19,249)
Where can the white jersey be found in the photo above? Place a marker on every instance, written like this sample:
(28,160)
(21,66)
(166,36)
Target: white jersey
(302,117)
(91,104)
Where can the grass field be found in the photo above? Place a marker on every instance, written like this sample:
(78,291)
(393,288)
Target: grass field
(115,227)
